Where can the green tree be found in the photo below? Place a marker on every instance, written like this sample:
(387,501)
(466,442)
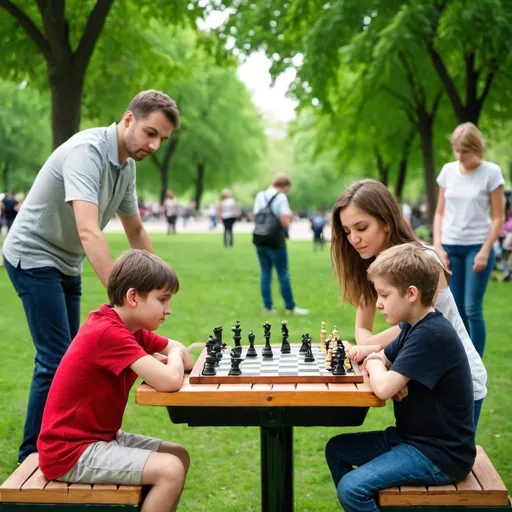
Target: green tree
(64,36)
(24,134)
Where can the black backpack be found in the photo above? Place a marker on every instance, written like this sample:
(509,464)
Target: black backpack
(268,230)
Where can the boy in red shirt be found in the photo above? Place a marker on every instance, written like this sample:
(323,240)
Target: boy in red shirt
(80,439)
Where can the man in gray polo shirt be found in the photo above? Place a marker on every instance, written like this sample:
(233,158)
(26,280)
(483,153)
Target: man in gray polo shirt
(81,186)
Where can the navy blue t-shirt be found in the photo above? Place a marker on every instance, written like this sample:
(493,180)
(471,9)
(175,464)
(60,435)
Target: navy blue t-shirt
(436,417)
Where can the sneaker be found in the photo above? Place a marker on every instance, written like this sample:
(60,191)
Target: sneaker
(298,311)
(270,310)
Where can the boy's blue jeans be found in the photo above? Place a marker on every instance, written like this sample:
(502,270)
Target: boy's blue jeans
(51,301)
(468,289)
(381,464)
(277,258)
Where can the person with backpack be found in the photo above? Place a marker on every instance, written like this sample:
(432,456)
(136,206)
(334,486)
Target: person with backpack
(272,221)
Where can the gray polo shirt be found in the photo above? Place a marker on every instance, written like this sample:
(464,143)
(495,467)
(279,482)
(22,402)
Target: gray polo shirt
(84,168)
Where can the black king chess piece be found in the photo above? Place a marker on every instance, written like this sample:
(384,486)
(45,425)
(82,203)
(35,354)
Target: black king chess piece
(237,333)
(251,351)
(267,353)
(285,346)
(236,360)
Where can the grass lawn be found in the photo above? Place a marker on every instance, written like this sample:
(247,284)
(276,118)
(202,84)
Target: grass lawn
(219,286)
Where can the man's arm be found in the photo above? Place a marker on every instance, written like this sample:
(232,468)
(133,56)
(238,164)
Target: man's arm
(385,383)
(92,238)
(136,234)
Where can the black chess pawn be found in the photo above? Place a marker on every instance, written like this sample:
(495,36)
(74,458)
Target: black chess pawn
(237,330)
(285,346)
(235,364)
(251,351)
(304,347)
(209,365)
(267,353)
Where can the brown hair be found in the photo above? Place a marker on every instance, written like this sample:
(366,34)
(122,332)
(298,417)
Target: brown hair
(170,194)
(408,265)
(376,200)
(468,136)
(143,271)
(281,180)
(150,101)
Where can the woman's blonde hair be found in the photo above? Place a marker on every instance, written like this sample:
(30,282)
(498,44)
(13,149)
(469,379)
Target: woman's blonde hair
(376,200)
(225,194)
(468,136)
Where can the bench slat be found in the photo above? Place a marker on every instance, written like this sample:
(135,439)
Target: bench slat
(469,484)
(482,487)
(21,474)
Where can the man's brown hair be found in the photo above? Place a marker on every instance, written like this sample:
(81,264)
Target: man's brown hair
(143,271)
(150,101)
(281,180)
(408,265)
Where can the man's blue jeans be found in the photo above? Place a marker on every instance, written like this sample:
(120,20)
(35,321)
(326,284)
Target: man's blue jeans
(381,464)
(277,258)
(468,289)
(51,301)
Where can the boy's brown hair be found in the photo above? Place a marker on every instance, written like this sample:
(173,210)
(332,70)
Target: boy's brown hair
(147,102)
(143,271)
(408,265)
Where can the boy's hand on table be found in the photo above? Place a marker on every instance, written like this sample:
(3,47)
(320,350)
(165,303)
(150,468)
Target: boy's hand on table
(374,356)
(401,394)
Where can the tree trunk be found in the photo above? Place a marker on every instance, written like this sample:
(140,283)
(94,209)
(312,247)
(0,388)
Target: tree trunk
(400,179)
(402,166)
(199,184)
(66,104)
(425,128)
(382,168)
(5,177)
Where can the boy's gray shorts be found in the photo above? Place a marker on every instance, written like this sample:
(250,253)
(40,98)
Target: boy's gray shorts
(117,462)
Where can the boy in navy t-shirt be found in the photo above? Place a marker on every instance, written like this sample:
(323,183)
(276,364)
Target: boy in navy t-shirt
(426,367)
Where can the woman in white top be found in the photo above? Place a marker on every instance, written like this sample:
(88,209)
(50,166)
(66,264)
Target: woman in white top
(463,233)
(228,213)
(366,219)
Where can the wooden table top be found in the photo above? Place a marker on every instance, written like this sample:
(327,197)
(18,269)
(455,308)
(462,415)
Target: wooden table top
(262,395)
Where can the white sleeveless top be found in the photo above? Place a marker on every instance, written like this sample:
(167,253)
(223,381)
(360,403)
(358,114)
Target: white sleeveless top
(445,303)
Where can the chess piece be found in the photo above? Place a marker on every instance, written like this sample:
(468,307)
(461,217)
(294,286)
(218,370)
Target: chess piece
(235,365)
(334,334)
(309,358)
(251,352)
(267,353)
(323,337)
(209,365)
(339,367)
(217,331)
(237,351)
(328,358)
(210,344)
(285,346)
(237,333)
(304,347)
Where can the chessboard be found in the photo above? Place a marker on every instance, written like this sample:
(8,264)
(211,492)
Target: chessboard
(280,369)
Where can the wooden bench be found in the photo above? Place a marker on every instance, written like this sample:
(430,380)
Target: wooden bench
(483,489)
(28,490)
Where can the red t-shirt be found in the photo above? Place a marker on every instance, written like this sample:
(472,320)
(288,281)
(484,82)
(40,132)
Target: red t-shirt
(90,389)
